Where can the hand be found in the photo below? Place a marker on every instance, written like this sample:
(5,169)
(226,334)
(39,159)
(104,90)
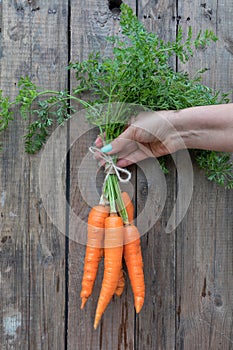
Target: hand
(155,134)
(150,134)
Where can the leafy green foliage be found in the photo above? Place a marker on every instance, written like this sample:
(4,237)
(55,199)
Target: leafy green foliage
(218,167)
(27,94)
(44,107)
(137,72)
(5,114)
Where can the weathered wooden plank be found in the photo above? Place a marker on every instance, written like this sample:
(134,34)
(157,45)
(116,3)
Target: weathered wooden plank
(159,17)
(32,250)
(0,17)
(91,23)
(204,238)
(217,57)
(204,280)
(156,322)
(14,246)
(49,57)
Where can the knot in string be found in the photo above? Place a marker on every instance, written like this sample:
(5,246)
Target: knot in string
(110,167)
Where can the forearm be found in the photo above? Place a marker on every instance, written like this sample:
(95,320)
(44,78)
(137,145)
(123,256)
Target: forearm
(206,127)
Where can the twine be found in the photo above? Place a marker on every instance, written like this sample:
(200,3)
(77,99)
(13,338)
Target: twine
(110,167)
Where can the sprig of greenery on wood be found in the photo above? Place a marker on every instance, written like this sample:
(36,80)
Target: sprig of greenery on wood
(136,72)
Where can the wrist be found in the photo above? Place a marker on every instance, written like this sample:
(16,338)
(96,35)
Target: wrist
(182,133)
(204,127)
(186,130)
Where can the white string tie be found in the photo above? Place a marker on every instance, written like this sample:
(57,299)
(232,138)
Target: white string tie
(111,167)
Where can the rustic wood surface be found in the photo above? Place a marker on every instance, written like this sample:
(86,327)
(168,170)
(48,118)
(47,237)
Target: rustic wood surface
(204,238)
(158,246)
(32,250)
(188,271)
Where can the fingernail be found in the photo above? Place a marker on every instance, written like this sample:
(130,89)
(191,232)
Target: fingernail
(106,148)
(98,140)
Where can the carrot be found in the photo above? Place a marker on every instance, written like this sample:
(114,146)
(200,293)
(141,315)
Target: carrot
(130,211)
(134,263)
(121,281)
(94,249)
(133,256)
(120,284)
(113,251)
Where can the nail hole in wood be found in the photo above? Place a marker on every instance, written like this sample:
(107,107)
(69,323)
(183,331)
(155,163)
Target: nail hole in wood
(114,4)
(5,238)
(20,9)
(35,9)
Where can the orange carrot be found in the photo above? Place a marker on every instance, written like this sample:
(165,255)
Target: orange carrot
(130,211)
(121,281)
(120,284)
(128,205)
(133,256)
(134,263)
(113,251)
(94,249)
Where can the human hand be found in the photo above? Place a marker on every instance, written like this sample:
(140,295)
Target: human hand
(150,134)
(155,134)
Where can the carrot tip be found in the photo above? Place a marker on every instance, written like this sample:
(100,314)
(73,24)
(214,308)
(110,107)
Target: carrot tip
(97,319)
(84,300)
(139,301)
(96,324)
(118,293)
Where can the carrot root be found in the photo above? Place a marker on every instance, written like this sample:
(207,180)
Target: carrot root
(94,250)
(138,303)
(84,300)
(134,263)
(113,252)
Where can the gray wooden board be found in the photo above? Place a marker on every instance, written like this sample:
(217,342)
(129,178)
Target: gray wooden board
(204,238)
(90,25)
(188,272)
(156,321)
(49,58)
(204,269)
(217,56)
(32,249)
(15,246)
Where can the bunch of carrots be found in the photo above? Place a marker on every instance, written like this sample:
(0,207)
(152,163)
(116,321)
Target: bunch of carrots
(114,236)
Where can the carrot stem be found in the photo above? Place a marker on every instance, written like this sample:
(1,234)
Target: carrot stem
(112,192)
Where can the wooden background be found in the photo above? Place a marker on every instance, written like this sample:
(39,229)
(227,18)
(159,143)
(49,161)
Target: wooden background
(189,300)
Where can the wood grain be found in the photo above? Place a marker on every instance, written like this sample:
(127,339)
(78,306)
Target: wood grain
(90,25)
(204,238)
(49,57)
(32,249)
(15,241)
(217,56)
(156,322)
(188,272)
